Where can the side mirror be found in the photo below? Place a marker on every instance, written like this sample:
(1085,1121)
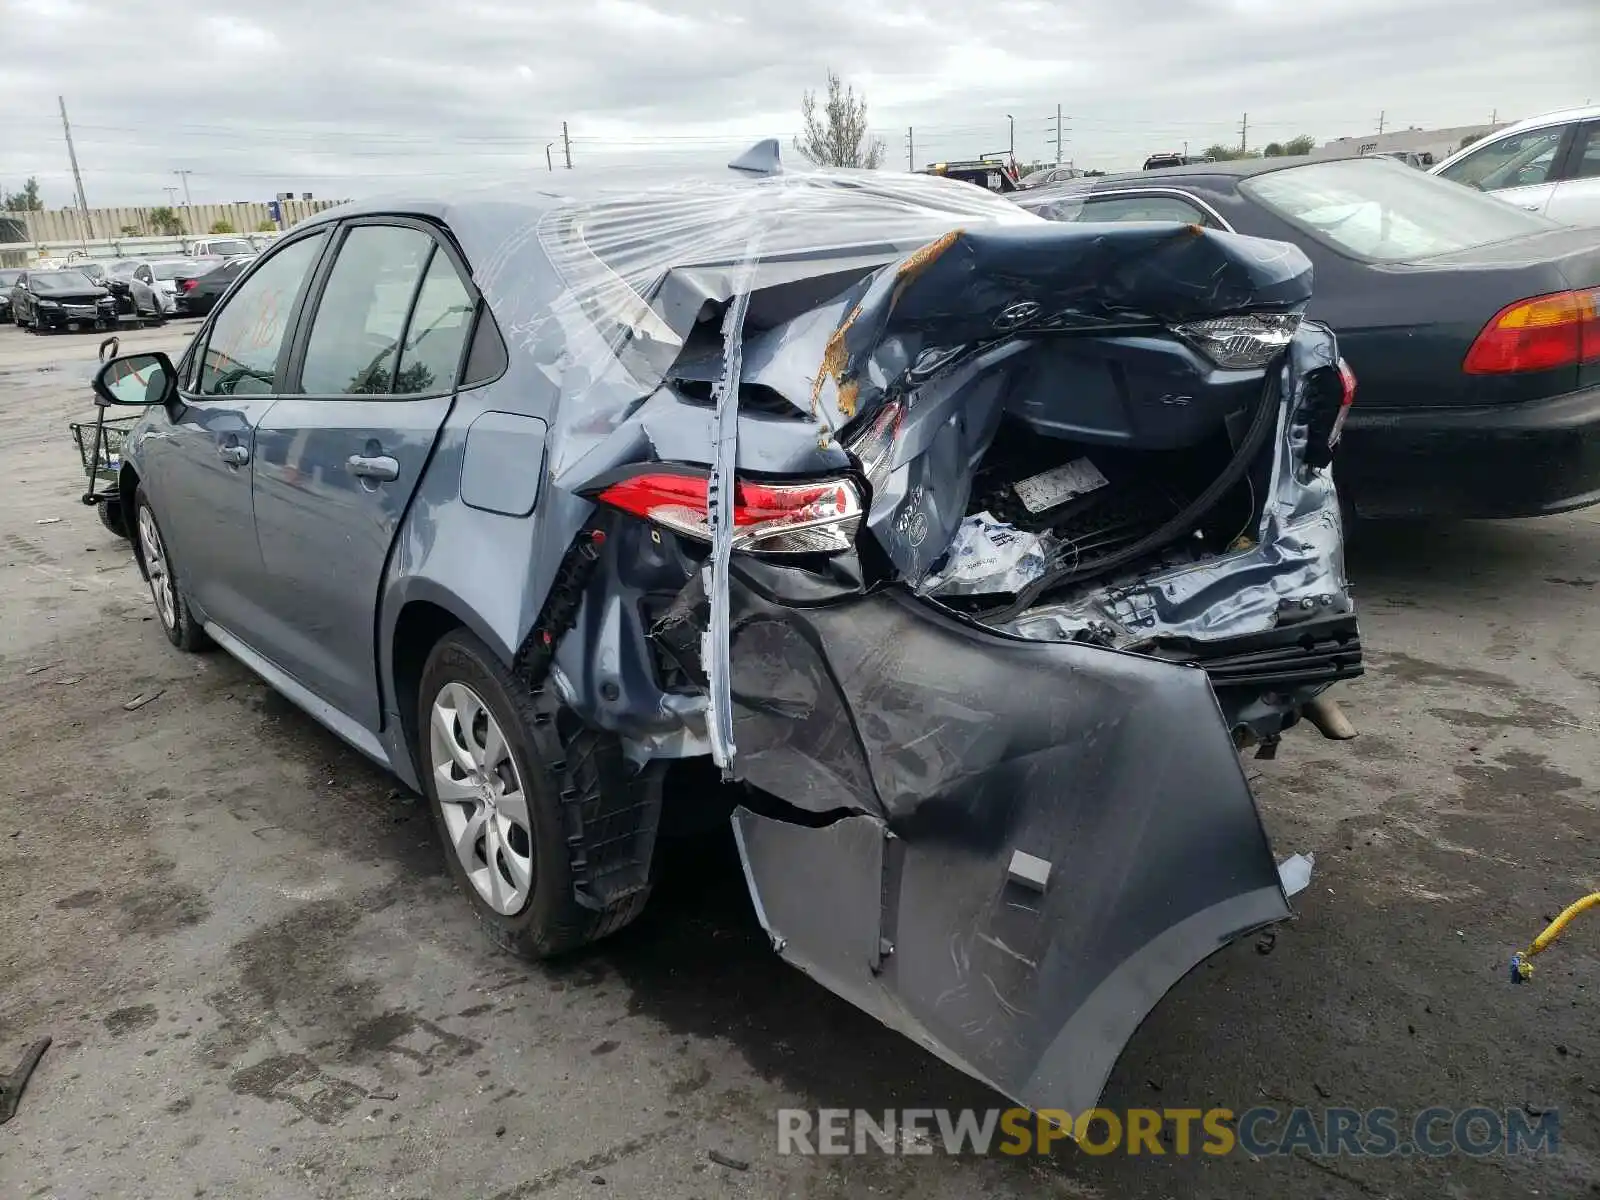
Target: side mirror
(136,379)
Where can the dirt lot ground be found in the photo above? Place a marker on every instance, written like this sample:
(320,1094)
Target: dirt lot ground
(259,982)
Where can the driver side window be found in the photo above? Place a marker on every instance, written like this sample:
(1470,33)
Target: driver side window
(1520,160)
(241,355)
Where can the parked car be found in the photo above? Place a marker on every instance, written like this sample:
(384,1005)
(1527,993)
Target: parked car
(221,247)
(1048,175)
(906,509)
(1548,165)
(153,284)
(45,300)
(1168,158)
(8,280)
(197,293)
(1471,325)
(90,268)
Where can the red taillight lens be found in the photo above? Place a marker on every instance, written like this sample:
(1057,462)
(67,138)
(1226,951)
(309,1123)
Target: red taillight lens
(768,518)
(1560,330)
(189,284)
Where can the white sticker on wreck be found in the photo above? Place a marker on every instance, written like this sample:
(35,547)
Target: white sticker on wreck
(1059,484)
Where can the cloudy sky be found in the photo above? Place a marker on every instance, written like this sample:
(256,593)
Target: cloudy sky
(349,97)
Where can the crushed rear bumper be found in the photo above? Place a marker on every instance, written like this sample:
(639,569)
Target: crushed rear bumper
(935,766)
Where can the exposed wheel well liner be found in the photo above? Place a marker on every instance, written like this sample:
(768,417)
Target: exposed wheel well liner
(417,630)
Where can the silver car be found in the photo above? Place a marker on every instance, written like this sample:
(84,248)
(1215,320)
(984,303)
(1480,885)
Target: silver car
(969,547)
(1548,164)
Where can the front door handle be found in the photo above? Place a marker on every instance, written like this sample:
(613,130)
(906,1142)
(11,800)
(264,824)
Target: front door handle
(373,466)
(234,455)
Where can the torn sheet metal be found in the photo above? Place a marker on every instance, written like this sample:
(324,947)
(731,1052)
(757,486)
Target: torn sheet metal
(1125,782)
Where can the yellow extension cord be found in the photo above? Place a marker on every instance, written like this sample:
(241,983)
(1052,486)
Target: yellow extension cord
(1521,967)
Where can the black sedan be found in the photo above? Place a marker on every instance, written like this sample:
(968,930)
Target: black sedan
(1472,327)
(8,280)
(43,300)
(197,295)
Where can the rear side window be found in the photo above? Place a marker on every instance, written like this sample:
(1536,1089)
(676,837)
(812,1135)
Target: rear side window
(1143,208)
(437,332)
(361,317)
(241,357)
(1374,208)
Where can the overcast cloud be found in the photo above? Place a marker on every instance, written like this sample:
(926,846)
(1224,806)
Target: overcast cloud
(350,97)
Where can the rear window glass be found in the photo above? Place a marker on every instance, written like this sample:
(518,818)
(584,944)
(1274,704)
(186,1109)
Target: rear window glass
(8,278)
(239,246)
(1376,209)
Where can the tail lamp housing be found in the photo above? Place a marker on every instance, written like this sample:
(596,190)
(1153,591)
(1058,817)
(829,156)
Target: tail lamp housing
(1541,333)
(805,517)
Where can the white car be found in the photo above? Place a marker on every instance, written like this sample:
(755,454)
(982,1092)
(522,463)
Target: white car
(1548,164)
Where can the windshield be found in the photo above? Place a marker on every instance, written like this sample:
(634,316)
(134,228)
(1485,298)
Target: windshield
(236,246)
(61,281)
(1516,161)
(8,278)
(1374,208)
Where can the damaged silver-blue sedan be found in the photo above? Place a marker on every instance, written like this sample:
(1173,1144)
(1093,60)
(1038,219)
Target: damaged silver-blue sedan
(972,547)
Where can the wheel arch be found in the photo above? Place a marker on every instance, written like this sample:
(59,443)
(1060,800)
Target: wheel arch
(423,612)
(127,490)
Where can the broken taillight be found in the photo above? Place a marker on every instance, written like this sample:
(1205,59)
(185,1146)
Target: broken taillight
(1241,343)
(1347,379)
(873,448)
(768,518)
(1539,334)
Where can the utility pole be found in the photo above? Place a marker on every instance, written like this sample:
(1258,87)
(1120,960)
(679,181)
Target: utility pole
(172,195)
(1013,122)
(911,149)
(1381,115)
(566,145)
(184,175)
(1244,128)
(548,165)
(77,178)
(1060,136)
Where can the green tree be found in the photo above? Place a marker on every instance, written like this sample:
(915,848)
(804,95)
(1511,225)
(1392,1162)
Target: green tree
(222,227)
(1303,144)
(166,221)
(1272,150)
(837,135)
(131,231)
(1222,153)
(266,225)
(27,200)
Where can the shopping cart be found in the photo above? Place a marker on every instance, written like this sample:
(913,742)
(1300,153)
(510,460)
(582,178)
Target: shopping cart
(100,449)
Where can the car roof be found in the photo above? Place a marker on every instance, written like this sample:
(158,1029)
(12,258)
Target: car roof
(1558,117)
(1232,169)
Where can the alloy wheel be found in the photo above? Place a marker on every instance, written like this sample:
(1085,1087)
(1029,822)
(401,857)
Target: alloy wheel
(481,798)
(155,565)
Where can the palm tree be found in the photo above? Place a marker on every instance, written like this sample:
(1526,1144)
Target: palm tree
(165,220)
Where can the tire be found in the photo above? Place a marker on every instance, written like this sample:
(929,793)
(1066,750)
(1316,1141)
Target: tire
(547,762)
(110,513)
(172,610)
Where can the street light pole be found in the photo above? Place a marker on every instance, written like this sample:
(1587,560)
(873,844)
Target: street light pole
(1013,122)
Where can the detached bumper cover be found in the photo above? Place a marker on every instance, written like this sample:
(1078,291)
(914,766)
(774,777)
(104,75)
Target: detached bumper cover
(1511,460)
(950,751)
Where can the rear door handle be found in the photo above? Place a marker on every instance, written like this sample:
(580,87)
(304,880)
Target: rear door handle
(373,466)
(234,455)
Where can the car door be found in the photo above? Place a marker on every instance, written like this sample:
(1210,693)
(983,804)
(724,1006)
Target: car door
(1576,198)
(1518,168)
(337,464)
(195,466)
